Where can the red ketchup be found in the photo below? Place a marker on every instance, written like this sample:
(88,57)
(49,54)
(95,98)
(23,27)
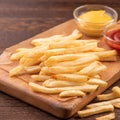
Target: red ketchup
(113,38)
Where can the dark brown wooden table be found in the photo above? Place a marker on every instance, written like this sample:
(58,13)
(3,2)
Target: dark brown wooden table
(22,19)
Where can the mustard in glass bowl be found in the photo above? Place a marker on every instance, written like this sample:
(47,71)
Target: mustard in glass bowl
(92,19)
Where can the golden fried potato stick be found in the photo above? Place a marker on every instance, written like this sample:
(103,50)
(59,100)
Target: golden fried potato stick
(61,51)
(39,88)
(108,96)
(71,44)
(79,61)
(40,78)
(117,100)
(18,55)
(106,55)
(74,36)
(96,110)
(16,70)
(33,69)
(71,77)
(72,93)
(41,41)
(96,81)
(61,58)
(20,52)
(57,51)
(62,69)
(116,91)
(92,69)
(60,83)
(115,94)
(110,116)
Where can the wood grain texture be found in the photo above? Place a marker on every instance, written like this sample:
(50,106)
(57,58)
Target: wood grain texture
(22,19)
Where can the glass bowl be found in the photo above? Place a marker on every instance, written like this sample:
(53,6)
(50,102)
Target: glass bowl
(93,28)
(112,35)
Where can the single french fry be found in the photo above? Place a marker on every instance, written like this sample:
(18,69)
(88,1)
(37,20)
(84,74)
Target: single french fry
(116,91)
(117,100)
(110,116)
(93,68)
(16,70)
(60,83)
(80,61)
(108,96)
(66,57)
(64,44)
(74,50)
(89,68)
(53,52)
(18,55)
(62,69)
(33,69)
(117,105)
(39,88)
(95,110)
(41,41)
(96,81)
(83,48)
(98,70)
(29,61)
(72,93)
(71,77)
(106,54)
(40,77)
(115,94)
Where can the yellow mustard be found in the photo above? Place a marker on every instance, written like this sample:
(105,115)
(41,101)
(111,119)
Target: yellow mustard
(93,22)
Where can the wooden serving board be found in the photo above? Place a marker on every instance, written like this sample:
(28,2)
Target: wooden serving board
(62,108)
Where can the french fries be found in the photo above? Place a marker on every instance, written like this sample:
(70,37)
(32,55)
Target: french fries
(117,100)
(63,65)
(105,106)
(42,89)
(115,94)
(96,110)
(69,67)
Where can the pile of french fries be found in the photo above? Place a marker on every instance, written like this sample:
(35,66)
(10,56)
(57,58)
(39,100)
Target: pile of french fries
(107,103)
(63,65)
